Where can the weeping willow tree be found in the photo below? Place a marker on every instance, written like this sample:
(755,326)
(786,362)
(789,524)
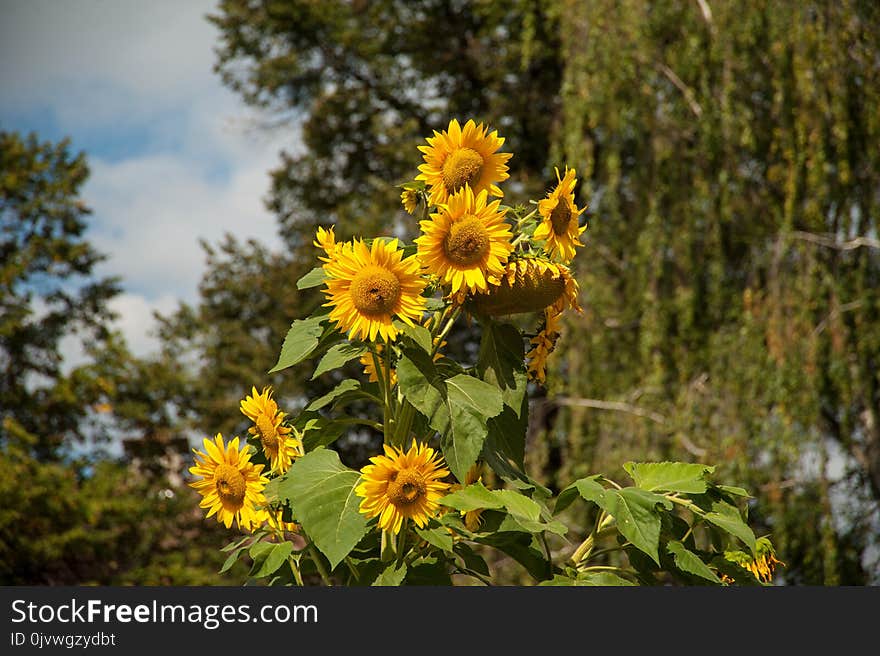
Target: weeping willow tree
(729,151)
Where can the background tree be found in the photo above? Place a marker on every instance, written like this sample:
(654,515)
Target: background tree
(728,155)
(75,510)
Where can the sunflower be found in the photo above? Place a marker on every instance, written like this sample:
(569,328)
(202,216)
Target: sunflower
(765,561)
(368,287)
(542,346)
(528,284)
(473,518)
(274,519)
(231,485)
(398,486)
(559,228)
(463,156)
(280,447)
(410,200)
(370,366)
(466,244)
(325,240)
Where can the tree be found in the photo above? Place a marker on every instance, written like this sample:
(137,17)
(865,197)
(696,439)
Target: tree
(733,311)
(46,289)
(73,513)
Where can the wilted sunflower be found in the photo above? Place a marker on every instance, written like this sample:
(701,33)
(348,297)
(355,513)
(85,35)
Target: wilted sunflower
(279,445)
(543,345)
(398,486)
(466,243)
(368,287)
(231,485)
(528,284)
(560,229)
(463,156)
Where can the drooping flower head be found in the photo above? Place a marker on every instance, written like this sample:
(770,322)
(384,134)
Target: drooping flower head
(529,284)
(280,446)
(230,484)
(410,200)
(398,486)
(543,345)
(463,156)
(466,243)
(559,228)
(369,286)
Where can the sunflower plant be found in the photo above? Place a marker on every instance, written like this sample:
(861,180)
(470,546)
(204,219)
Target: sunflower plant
(448,497)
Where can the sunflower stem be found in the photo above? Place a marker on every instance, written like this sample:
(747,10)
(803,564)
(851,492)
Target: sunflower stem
(586,547)
(438,340)
(319,564)
(380,377)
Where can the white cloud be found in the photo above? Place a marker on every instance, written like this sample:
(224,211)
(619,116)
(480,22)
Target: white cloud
(174,154)
(97,59)
(136,321)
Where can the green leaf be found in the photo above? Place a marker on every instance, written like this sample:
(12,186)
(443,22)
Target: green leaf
(519,546)
(476,394)
(471,559)
(518,504)
(347,385)
(501,362)
(688,561)
(637,518)
(472,497)
(259,550)
(391,576)
(436,536)
(235,544)
(274,559)
(471,402)
(435,304)
(301,341)
(735,491)
(682,477)
(505,446)
(231,559)
(323,433)
(422,386)
(734,525)
(428,571)
(603,579)
(590,489)
(590,579)
(321,490)
(337,355)
(313,278)
(420,335)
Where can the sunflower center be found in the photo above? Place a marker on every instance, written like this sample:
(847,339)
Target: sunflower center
(375,290)
(461,167)
(467,241)
(230,484)
(560,217)
(406,487)
(266,429)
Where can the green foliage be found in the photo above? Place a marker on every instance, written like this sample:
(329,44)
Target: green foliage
(321,491)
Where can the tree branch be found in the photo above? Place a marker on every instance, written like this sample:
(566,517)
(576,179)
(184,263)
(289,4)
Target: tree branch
(830,241)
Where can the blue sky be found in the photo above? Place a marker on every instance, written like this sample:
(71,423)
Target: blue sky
(174,156)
